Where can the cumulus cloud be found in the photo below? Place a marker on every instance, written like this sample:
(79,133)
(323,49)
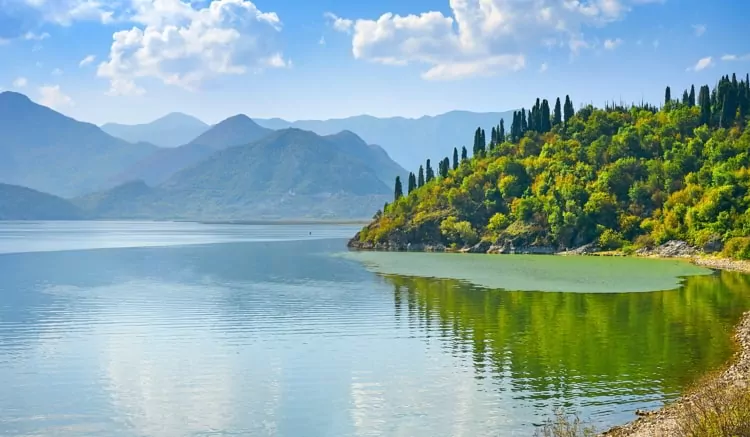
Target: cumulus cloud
(479,37)
(338,23)
(20,82)
(611,44)
(31,36)
(181,44)
(87,61)
(702,64)
(53,97)
(699,29)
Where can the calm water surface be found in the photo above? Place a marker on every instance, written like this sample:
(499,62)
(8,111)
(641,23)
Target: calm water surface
(179,329)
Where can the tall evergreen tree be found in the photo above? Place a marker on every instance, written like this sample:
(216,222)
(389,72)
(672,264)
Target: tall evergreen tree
(568,110)
(524,124)
(685,98)
(429,172)
(667,96)
(464,153)
(704,100)
(493,138)
(455,158)
(544,119)
(691,96)
(482,142)
(398,192)
(412,182)
(420,177)
(557,114)
(445,167)
(501,132)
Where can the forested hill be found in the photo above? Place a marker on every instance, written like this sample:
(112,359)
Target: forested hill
(619,176)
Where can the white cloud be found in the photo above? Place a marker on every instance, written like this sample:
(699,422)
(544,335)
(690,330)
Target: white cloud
(611,44)
(53,97)
(65,12)
(338,23)
(31,36)
(736,57)
(57,72)
(543,67)
(479,37)
(87,60)
(699,29)
(181,45)
(702,64)
(20,82)
(322,41)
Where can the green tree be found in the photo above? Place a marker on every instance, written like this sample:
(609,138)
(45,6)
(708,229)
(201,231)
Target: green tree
(557,114)
(412,182)
(545,120)
(704,100)
(501,131)
(568,110)
(420,178)
(430,173)
(464,154)
(667,97)
(455,158)
(691,97)
(398,191)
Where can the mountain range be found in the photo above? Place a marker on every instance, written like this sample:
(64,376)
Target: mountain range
(21,203)
(406,140)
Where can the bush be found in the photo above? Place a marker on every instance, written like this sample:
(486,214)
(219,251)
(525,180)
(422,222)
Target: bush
(717,411)
(738,247)
(610,240)
(563,425)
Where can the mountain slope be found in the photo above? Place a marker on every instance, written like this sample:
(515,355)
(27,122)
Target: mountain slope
(47,151)
(21,203)
(172,130)
(408,141)
(287,174)
(234,131)
(374,156)
(162,164)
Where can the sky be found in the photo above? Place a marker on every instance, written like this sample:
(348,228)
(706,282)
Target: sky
(132,61)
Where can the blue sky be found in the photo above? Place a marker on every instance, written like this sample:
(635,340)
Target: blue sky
(135,60)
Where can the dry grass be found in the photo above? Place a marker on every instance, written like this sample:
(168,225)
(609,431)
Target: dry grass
(717,410)
(562,425)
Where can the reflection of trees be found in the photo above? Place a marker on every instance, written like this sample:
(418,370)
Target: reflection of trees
(553,343)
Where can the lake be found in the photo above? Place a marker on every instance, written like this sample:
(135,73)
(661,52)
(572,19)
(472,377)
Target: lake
(182,329)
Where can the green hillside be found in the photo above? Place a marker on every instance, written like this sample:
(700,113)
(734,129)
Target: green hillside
(21,203)
(619,176)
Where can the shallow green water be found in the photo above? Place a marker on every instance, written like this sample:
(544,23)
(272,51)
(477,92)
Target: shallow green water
(537,272)
(121,329)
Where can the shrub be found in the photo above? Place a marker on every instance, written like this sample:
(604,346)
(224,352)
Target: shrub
(737,247)
(717,411)
(610,240)
(563,425)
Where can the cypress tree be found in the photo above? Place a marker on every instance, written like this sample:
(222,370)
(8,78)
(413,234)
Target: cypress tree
(430,173)
(691,96)
(685,98)
(464,154)
(568,110)
(482,142)
(501,132)
(455,158)
(557,114)
(545,120)
(412,182)
(420,178)
(398,192)
(667,97)
(704,100)
(445,166)
(493,138)
(524,124)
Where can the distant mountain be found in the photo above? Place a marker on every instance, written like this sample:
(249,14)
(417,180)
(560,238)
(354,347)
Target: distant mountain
(21,203)
(234,131)
(47,151)
(407,140)
(288,174)
(377,158)
(162,164)
(172,130)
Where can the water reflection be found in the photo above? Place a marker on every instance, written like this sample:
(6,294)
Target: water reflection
(605,354)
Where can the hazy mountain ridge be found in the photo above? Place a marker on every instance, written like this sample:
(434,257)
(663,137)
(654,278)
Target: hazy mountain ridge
(408,141)
(21,203)
(172,130)
(50,152)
